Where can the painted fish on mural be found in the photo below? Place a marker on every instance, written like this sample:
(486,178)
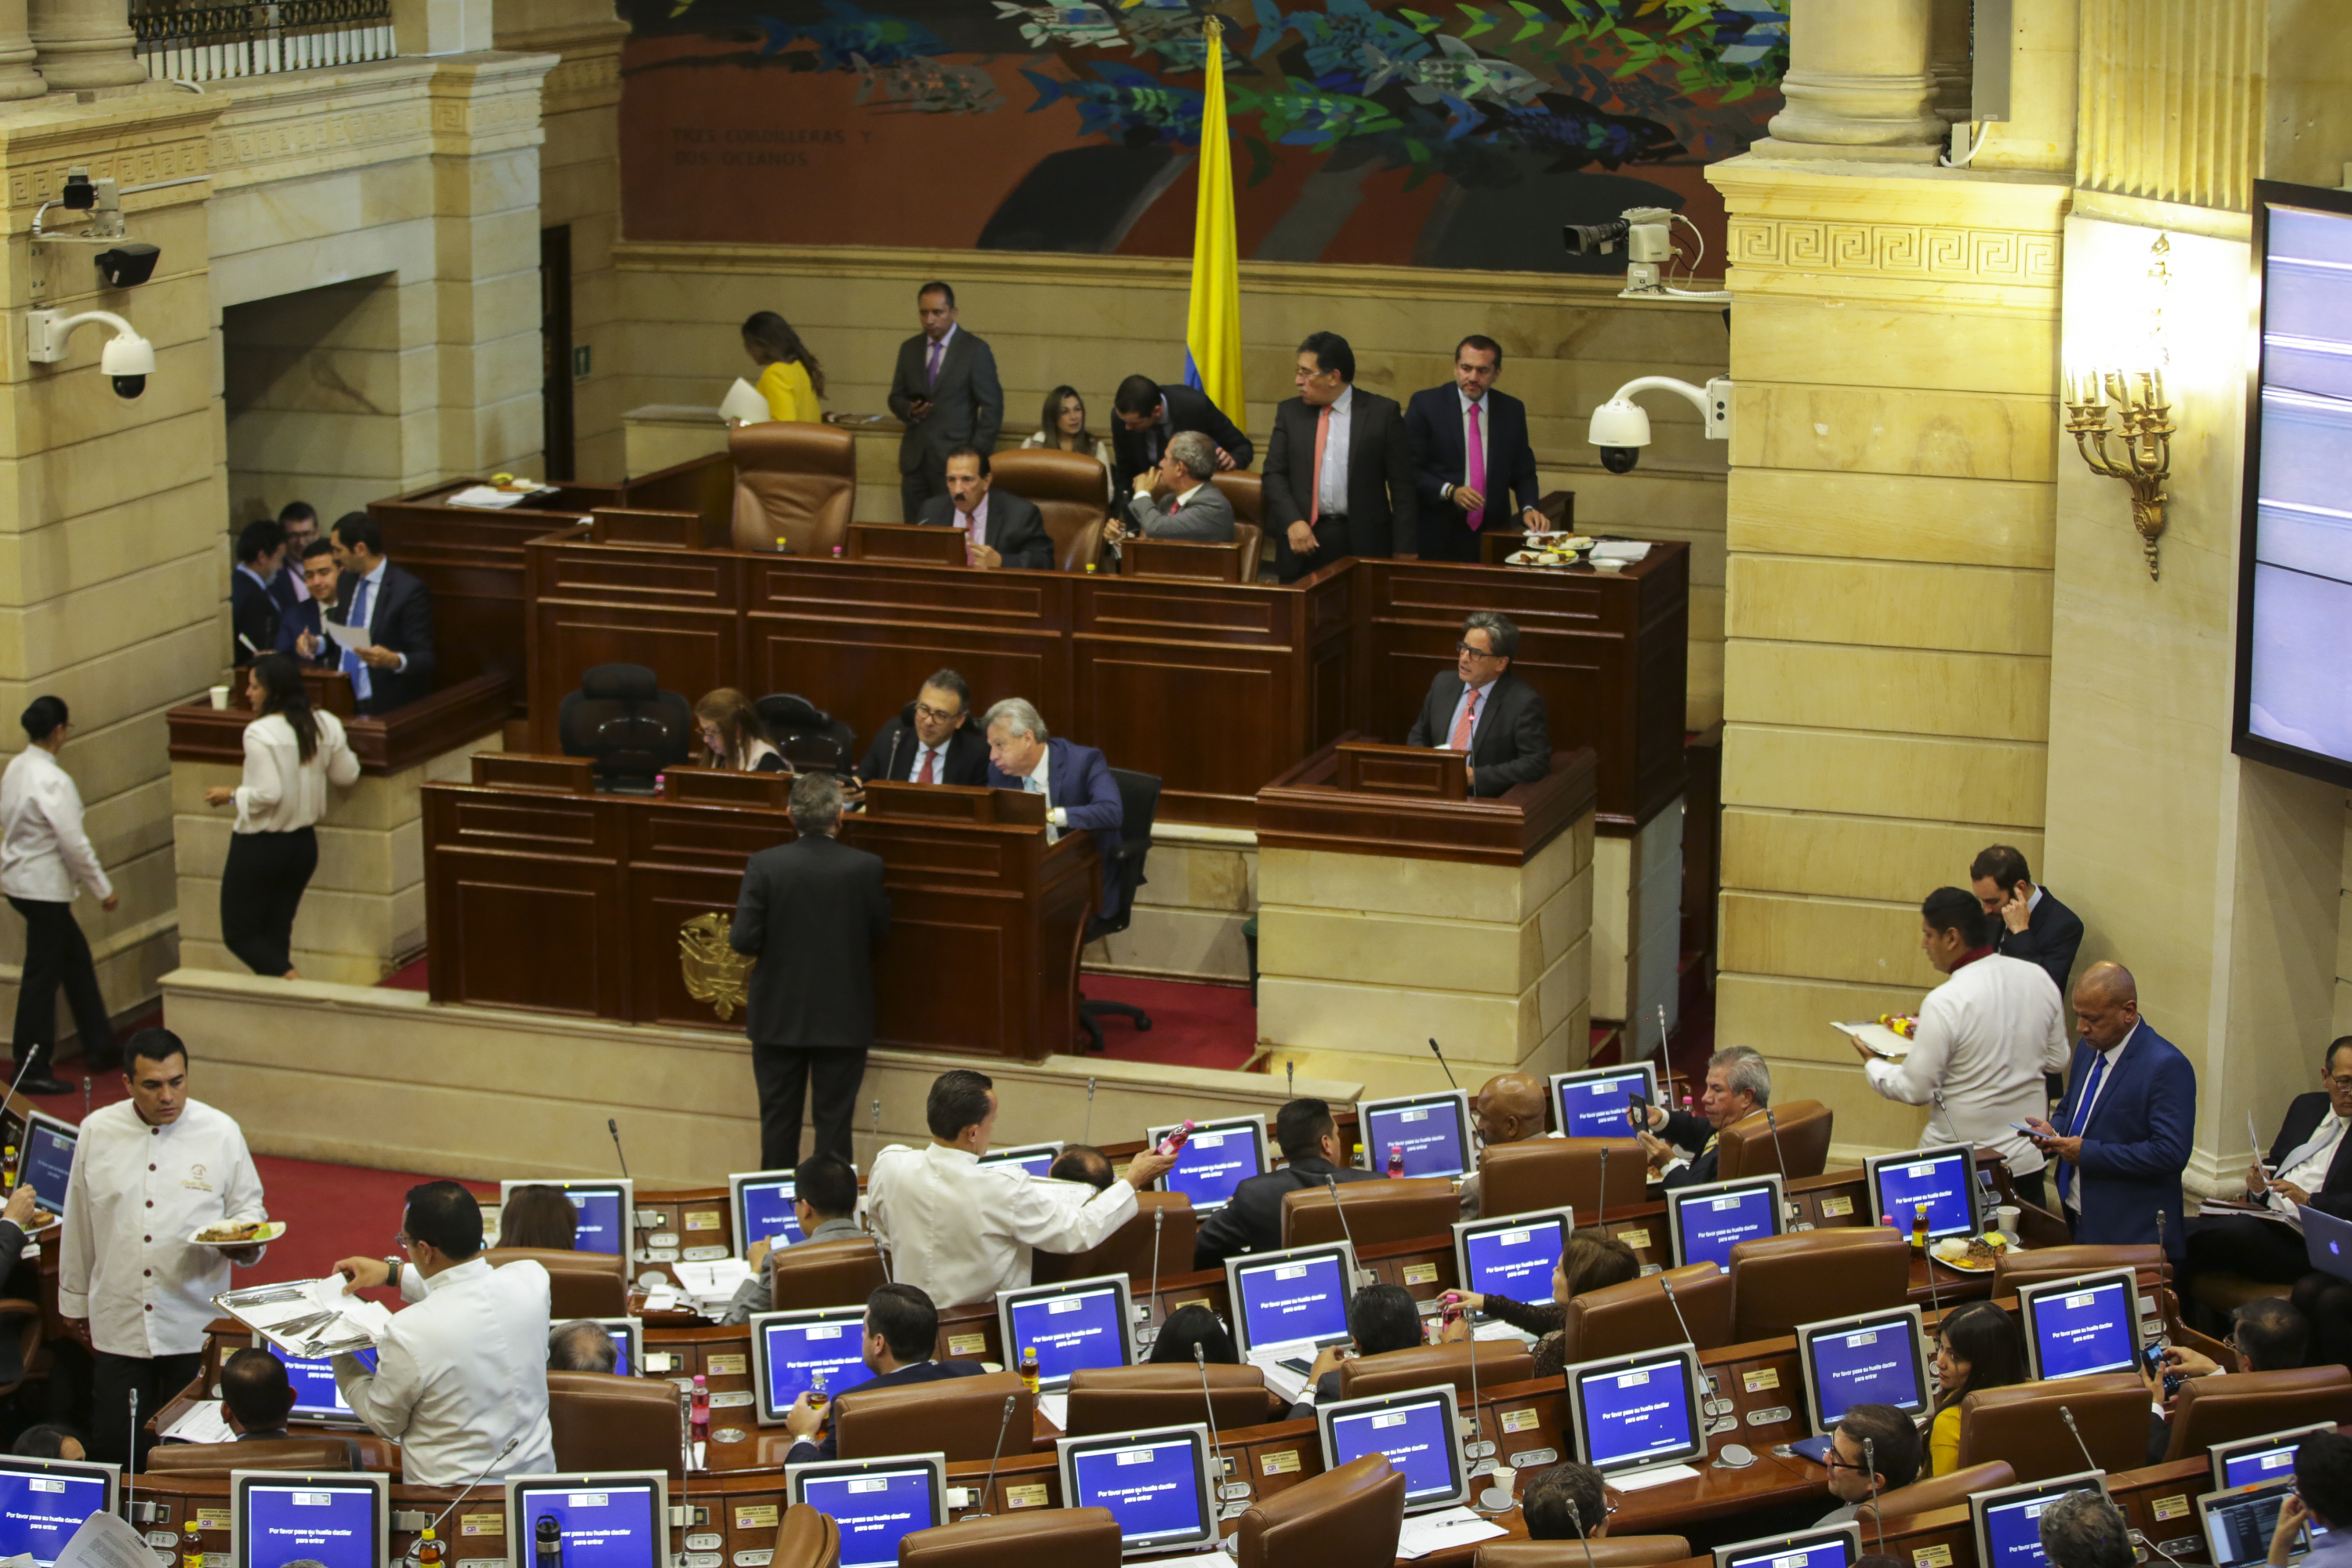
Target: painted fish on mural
(1461,73)
(852,38)
(928,87)
(1580,135)
(1335,39)
(1306,116)
(1747,31)
(1062,26)
(1124,102)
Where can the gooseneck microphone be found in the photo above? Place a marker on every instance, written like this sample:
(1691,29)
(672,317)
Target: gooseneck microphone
(1216,1444)
(1870,1466)
(1089,1137)
(1149,1334)
(1363,1276)
(1601,1207)
(1290,1079)
(130,1470)
(988,1486)
(2068,1416)
(896,736)
(1577,1518)
(1440,1062)
(612,1125)
(1710,1406)
(1779,1154)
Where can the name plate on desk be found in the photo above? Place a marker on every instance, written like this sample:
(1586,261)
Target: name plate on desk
(722,787)
(523,770)
(1200,561)
(907,542)
(1415,772)
(956,803)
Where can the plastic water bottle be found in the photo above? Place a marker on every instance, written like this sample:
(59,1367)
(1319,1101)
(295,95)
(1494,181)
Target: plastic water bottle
(429,1550)
(1029,1368)
(1919,1226)
(1396,1162)
(547,1544)
(701,1414)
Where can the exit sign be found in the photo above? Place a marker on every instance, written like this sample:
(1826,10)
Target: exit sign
(579,361)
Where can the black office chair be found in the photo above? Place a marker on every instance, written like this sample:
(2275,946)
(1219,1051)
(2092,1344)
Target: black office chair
(1139,796)
(631,729)
(808,736)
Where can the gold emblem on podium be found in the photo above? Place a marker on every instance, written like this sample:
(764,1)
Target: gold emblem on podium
(714,972)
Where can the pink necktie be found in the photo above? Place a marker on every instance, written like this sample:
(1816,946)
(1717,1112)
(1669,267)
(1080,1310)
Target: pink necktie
(1478,514)
(934,372)
(1322,439)
(1461,738)
(964,521)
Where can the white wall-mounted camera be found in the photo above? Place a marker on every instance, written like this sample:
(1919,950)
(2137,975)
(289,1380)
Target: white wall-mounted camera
(97,206)
(1646,234)
(1620,427)
(128,359)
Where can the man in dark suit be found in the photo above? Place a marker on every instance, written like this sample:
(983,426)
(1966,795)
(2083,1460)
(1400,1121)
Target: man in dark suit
(1481,708)
(256,1396)
(1338,468)
(2127,1124)
(2310,1165)
(902,1335)
(2032,924)
(1252,1222)
(931,740)
(945,391)
(811,912)
(395,608)
(259,594)
(1000,527)
(1079,792)
(1466,487)
(300,636)
(1738,1086)
(1150,415)
(1189,508)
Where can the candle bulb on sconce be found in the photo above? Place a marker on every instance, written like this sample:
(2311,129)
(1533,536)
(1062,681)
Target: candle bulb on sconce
(2144,423)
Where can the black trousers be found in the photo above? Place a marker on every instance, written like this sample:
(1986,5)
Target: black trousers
(784,1074)
(2257,1248)
(1331,548)
(2032,1189)
(928,479)
(57,954)
(113,1380)
(261,887)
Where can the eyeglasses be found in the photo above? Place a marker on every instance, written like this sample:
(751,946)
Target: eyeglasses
(924,710)
(1836,1462)
(1474,652)
(402,1239)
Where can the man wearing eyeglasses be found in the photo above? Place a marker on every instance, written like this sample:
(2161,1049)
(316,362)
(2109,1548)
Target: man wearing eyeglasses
(929,742)
(2322,1500)
(1481,708)
(1874,1451)
(2309,1166)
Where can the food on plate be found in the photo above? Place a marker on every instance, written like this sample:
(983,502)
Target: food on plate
(1972,1251)
(1903,1024)
(239,1230)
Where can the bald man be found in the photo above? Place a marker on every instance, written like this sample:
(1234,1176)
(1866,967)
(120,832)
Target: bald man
(1510,1109)
(2122,1134)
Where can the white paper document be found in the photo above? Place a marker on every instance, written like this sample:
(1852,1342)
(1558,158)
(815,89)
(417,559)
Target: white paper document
(1056,1407)
(489,498)
(1447,1527)
(309,1318)
(744,404)
(1880,1039)
(710,1286)
(107,1541)
(203,1423)
(1281,1379)
(352,637)
(1657,1476)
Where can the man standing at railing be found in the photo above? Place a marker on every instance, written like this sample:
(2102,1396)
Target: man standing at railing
(945,391)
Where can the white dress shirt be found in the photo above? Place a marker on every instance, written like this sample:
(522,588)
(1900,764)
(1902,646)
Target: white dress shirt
(460,1372)
(961,1231)
(2082,1114)
(1038,783)
(374,581)
(1331,482)
(282,792)
(43,850)
(136,1194)
(2310,1173)
(1446,740)
(938,755)
(1987,1035)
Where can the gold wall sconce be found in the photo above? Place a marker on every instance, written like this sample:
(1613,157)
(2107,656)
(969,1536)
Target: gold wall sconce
(2145,426)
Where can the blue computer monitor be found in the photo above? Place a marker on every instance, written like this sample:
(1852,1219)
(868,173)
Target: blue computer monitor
(44,1502)
(1635,1411)
(1074,1326)
(1431,1130)
(761,1203)
(46,1161)
(1877,1358)
(606,1211)
(628,1344)
(2076,1326)
(1419,1431)
(1706,1223)
(609,1518)
(317,1399)
(1513,1256)
(1944,1179)
(1156,1483)
(1297,1297)
(1217,1158)
(2007,1519)
(341,1520)
(1835,1546)
(1034,1158)
(875,1502)
(2262,1458)
(788,1350)
(1592,1103)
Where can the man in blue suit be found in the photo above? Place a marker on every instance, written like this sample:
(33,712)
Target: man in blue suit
(1079,792)
(1465,488)
(2124,1129)
(902,1333)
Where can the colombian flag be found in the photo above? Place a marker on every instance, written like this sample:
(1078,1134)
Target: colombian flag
(1213,331)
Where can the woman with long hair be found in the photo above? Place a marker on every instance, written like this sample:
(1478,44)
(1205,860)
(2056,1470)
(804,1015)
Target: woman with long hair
(539,1216)
(1062,426)
(292,754)
(1590,1260)
(1977,1346)
(731,734)
(790,377)
(1189,1325)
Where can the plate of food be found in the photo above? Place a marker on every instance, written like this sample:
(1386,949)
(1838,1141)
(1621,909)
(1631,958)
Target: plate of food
(240,1233)
(1969,1254)
(1890,1036)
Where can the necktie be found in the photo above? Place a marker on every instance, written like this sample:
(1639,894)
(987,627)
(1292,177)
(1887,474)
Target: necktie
(2323,1135)
(2081,1115)
(965,522)
(937,348)
(925,776)
(1322,437)
(351,665)
(1459,742)
(1478,456)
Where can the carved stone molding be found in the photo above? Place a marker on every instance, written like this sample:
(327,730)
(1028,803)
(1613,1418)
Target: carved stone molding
(415,108)
(1896,249)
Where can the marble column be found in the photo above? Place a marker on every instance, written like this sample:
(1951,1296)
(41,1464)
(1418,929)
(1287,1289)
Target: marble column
(84,43)
(1858,84)
(17,77)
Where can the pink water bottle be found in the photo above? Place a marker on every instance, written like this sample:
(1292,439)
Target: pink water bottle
(1396,1162)
(1178,1138)
(700,1419)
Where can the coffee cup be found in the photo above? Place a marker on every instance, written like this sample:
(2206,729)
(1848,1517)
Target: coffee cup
(2005,1218)
(220,696)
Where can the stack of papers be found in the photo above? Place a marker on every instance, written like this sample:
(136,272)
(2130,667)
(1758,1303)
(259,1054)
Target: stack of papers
(1281,1379)
(1447,1527)
(1056,1407)
(203,1423)
(489,498)
(1628,551)
(309,1318)
(710,1286)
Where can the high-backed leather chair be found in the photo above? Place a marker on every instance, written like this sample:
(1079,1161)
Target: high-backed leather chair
(2011,1269)
(2248,1404)
(1938,1491)
(960,1417)
(1246,491)
(1069,490)
(1340,1519)
(622,719)
(1066,1537)
(1613,1551)
(826,1274)
(318,1455)
(1376,1211)
(1129,1398)
(1544,1173)
(1749,1150)
(1780,1281)
(579,1284)
(806,1539)
(1619,1320)
(795,481)
(1127,1250)
(606,1423)
(1425,1366)
(1249,537)
(2022,1425)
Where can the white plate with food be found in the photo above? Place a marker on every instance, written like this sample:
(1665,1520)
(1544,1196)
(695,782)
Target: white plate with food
(242,1233)
(1968,1254)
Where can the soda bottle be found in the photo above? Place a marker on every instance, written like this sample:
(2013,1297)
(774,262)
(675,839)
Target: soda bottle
(701,1415)
(837,553)
(8,1169)
(1396,1162)
(1919,1226)
(1029,1367)
(783,545)
(429,1550)
(821,1383)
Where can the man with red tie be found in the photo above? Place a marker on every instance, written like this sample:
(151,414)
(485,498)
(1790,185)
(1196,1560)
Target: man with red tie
(1481,708)
(1338,468)
(1471,456)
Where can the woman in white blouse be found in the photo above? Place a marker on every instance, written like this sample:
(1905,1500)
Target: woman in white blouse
(730,730)
(291,754)
(1062,426)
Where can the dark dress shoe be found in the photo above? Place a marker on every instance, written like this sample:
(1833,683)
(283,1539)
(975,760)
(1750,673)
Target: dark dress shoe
(45,1085)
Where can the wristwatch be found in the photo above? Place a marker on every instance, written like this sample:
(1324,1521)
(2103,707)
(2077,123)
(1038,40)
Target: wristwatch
(394,1263)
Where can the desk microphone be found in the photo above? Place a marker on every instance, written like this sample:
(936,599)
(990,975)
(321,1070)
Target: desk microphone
(988,1486)
(1228,1490)
(1601,1208)
(2068,1416)
(131,1470)
(1290,1077)
(1363,1276)
(1089,1137)
(512,1442)
(1870,1464)
(1148,1334)
(1471,1444)
(1440,1062)
(1577,1518)
(1788,1209)
(896,736)
(2139,1540)
(11,1098)
(1711,1406)
(612,1125)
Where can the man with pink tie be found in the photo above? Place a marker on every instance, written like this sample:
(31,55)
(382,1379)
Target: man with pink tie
(1481,708)
(1470,456)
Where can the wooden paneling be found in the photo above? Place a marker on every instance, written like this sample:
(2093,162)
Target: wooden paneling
(405,738)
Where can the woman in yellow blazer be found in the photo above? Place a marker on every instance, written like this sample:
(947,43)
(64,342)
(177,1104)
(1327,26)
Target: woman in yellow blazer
(790,378)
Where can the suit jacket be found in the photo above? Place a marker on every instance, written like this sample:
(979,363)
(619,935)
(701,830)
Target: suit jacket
(2051,934)
(304,618)
(920,1371)
(1685,1130)
(1383,510)
(1079,781)
(1207,519)
(401,619)
(2137,1144)
(1135,452)
(967,405)
(2335,1194)
(1016,529)
(254,612)
(1432,423)
(1512,743)
(811,912)
(895,743)
(1253,1221)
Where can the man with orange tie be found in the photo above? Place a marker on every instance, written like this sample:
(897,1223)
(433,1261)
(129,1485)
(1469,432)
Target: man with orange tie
(1471,456)
(1481,708)
(1338,468)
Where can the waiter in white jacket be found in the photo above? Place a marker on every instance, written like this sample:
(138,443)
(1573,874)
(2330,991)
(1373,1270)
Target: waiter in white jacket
(462,1371)
(961,1231)
(44,855)
(148,1173)
(1987,1035)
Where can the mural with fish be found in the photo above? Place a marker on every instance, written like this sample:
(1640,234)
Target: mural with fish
(1452,134)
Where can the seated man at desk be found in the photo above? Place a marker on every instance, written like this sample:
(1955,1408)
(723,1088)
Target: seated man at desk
(394,610)
(1079,792)
(1149,417)
(1566,1502)
(1191,508)
(1481,708)
(1252,1222)
(902,1339)
(1382,1318)
(300,636)
(1738,1086)
(1000,529)
(931,741)
(582,1345)
(1874,1450)
(256,1395)
(824,1206)
(1510,1109)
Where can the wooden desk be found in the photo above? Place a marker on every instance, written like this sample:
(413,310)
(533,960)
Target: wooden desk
(407,737)
(1326,804)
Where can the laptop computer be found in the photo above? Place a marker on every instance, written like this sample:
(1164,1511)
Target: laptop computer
(2328,1240)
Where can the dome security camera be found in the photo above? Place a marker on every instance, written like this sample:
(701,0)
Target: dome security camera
(128,361)
(1621,429)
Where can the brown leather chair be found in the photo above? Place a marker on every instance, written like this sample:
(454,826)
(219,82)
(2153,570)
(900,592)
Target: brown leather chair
(1425,1366)
(1611,1551)
(1749,1150)
(1619,1320)
(606,1423)
(806,1539)
(1780,1281)
(1131,1398)
(1127,1250)
(1250,539)
(2248,1404)
(1069,490)
(2011,1269)
(2219,1293)
(1544,1173)
(795,481)
(1066,1537)
(318,1455)
(1938,1491)
(826,1274)
(1376,1211)
(1340,1519)
(1245,491)
(579,1284)
(960,1417)
(2022,1425)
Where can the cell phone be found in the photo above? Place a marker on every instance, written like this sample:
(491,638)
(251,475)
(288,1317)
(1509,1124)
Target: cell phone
(2022,1127)
(1293,1363)
(2154,1356)
(1638,1103)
